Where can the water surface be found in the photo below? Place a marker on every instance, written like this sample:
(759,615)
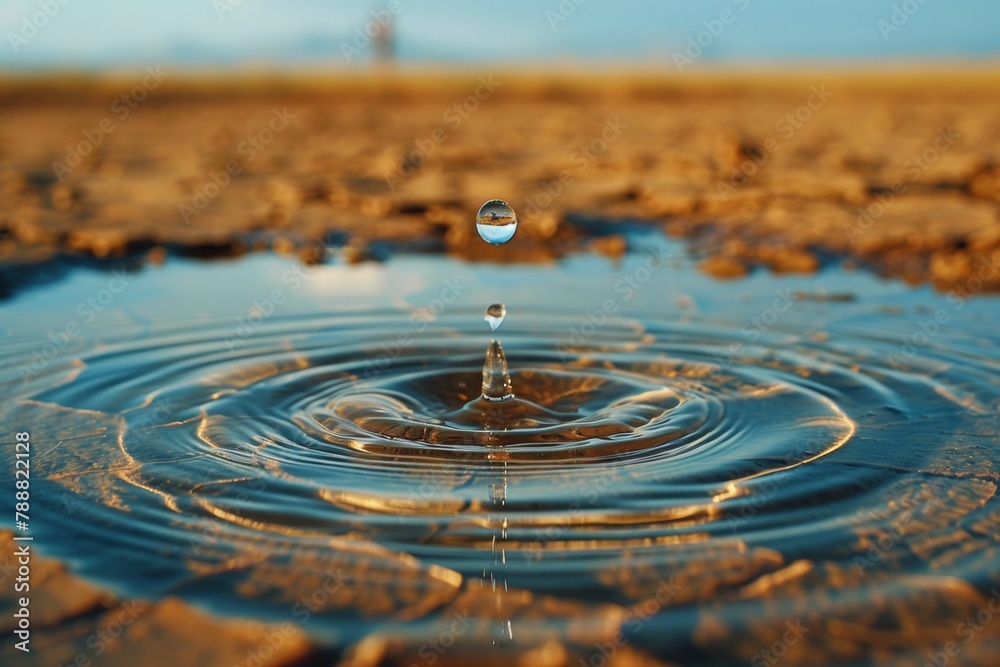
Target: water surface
(690,462)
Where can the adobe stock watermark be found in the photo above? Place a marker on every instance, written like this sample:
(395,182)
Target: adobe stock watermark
(626,288)
(86,311)
(591,493)
(203,538)
(419,321)
(912,170)
(779,649)
(968,629)
(562,12)
(249,148)
(755,327)
(380,21)
(454,117)
(755,502)
(899,17)
(264,308)
(31,25)
(121,108)
(224,8)
(786,127)
(432,650)
(156,413)
(302,610)
(928,328)
(636,616)
(713,29)
(887,540)
(581,158)
(109,632)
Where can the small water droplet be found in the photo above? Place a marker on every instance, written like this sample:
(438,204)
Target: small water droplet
(496,381)
(496,222)
(494,315)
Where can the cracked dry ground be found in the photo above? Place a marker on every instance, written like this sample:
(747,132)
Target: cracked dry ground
(899,172)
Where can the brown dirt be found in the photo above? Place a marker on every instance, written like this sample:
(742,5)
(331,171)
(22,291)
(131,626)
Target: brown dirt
(898,170)
(76,623)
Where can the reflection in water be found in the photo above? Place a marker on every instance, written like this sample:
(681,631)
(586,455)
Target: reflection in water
(501,630)
(803,477)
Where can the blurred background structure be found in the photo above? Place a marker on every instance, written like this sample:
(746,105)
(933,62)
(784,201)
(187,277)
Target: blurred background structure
(105,34)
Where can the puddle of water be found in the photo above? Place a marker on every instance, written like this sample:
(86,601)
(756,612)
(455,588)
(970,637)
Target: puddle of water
(304,444)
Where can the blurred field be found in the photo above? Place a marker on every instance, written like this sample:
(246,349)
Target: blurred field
(896,169)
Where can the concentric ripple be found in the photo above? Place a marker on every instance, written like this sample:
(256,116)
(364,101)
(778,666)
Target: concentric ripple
(650,452)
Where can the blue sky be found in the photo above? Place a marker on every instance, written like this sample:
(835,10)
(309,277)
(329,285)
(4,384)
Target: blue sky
(103,34)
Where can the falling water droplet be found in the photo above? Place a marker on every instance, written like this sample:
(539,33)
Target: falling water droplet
(494,315)
(496,381)
(496,222)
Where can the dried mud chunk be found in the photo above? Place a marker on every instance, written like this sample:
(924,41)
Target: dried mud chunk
(721,266)
(815,185)
(356,251)
(680,200)
(987,238)
(964,272)
(56,595)
(72,618)
(787,259)
(613,246)
(350,575)
(174,633)
(31,231)
(986,184)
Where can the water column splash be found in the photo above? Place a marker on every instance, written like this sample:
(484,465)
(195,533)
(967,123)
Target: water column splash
(496,380)
(496,224)
(501,630)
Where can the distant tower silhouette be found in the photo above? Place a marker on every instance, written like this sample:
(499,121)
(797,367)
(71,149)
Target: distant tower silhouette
(384,44)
